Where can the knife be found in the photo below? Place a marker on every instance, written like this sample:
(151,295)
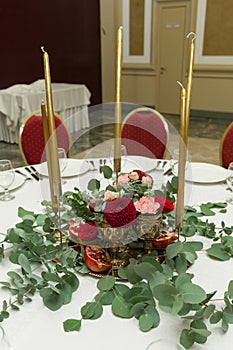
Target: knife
(32,174)
(36,172)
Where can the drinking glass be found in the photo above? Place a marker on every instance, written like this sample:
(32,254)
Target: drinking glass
(7,176)
(4,343)
(164,344)
(62,158)
(175,162)
(123,157)
(230,181)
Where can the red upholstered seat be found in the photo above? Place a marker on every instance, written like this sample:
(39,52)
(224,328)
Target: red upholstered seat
(31,138)
(226,147)
(145,133)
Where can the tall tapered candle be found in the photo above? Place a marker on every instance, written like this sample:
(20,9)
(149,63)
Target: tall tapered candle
(117,122)
(47,151)
(189,79)
(52,133)
(182,161)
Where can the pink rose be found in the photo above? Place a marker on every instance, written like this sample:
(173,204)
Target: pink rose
(123,179)
(147,180)
(133,175)
(147,205)
(107,195)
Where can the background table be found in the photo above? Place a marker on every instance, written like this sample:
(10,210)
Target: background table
(36,327)
(17,101)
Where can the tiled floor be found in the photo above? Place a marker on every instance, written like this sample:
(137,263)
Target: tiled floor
(204,139)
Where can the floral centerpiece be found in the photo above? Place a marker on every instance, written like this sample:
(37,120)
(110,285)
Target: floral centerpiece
(126,211)
(151,286)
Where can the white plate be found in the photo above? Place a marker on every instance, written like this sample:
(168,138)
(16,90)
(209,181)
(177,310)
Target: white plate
(136,162)
(18,181)
(206,173)
(74,167)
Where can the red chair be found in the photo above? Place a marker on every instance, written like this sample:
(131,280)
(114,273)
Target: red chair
(145,133)
(31,138)
(226,147)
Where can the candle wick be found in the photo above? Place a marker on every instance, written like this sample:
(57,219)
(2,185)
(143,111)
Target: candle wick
(42,48)
(191,33)
(181,85)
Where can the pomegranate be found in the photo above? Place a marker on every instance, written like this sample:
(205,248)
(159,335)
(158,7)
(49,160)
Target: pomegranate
(164,239)
(97,259)
(82,232)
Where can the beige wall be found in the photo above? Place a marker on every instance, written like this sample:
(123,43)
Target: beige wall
(212,84)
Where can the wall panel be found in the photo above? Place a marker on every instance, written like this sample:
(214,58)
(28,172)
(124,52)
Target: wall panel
(70,32)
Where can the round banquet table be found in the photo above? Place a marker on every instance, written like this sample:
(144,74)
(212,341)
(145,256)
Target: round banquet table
(36,327)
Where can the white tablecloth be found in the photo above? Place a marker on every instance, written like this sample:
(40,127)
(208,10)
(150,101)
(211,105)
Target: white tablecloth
(17,101)
(37,327)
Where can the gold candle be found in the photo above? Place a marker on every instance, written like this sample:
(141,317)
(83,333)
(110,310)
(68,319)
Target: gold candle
(182,161)
(117,122)
(52,132)
(189,80)
(47,150)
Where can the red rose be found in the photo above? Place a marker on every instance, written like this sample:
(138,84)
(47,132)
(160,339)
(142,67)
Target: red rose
(140,173)
(165,204)
(119,212)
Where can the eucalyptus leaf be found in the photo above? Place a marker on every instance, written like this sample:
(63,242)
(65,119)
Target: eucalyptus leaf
(107,171)
(217,251)
(52,300)
(206,211)
(146,322)
(120,307)
(22,212)
(50,276)
(216,317)
(186,338)
(145,270)
(209,310)
(165,294)
(71,325)
(228,317)
(105,297)
(173,249)
(92,310)
(71,279)
(230,289)
(106,283)
(193,294)
(121,289)
(93,185)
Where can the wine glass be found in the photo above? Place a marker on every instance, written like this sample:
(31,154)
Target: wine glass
(164,344)
(4,343)
(123,157)
(174,162)
(62,158)
(229,180)
(7,176)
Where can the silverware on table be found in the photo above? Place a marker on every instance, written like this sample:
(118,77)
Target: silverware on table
(36,172)
(36,177)
(24,175)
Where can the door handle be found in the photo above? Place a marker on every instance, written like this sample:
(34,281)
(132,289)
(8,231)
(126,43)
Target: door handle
(162,70)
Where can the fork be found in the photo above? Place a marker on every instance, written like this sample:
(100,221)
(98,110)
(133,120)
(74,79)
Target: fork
(27,178)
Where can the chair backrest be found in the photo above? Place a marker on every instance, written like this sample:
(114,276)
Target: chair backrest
(145,133)
(226,147)
(31,138)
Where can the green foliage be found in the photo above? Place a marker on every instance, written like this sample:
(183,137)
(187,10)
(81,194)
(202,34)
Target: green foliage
(150,286)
